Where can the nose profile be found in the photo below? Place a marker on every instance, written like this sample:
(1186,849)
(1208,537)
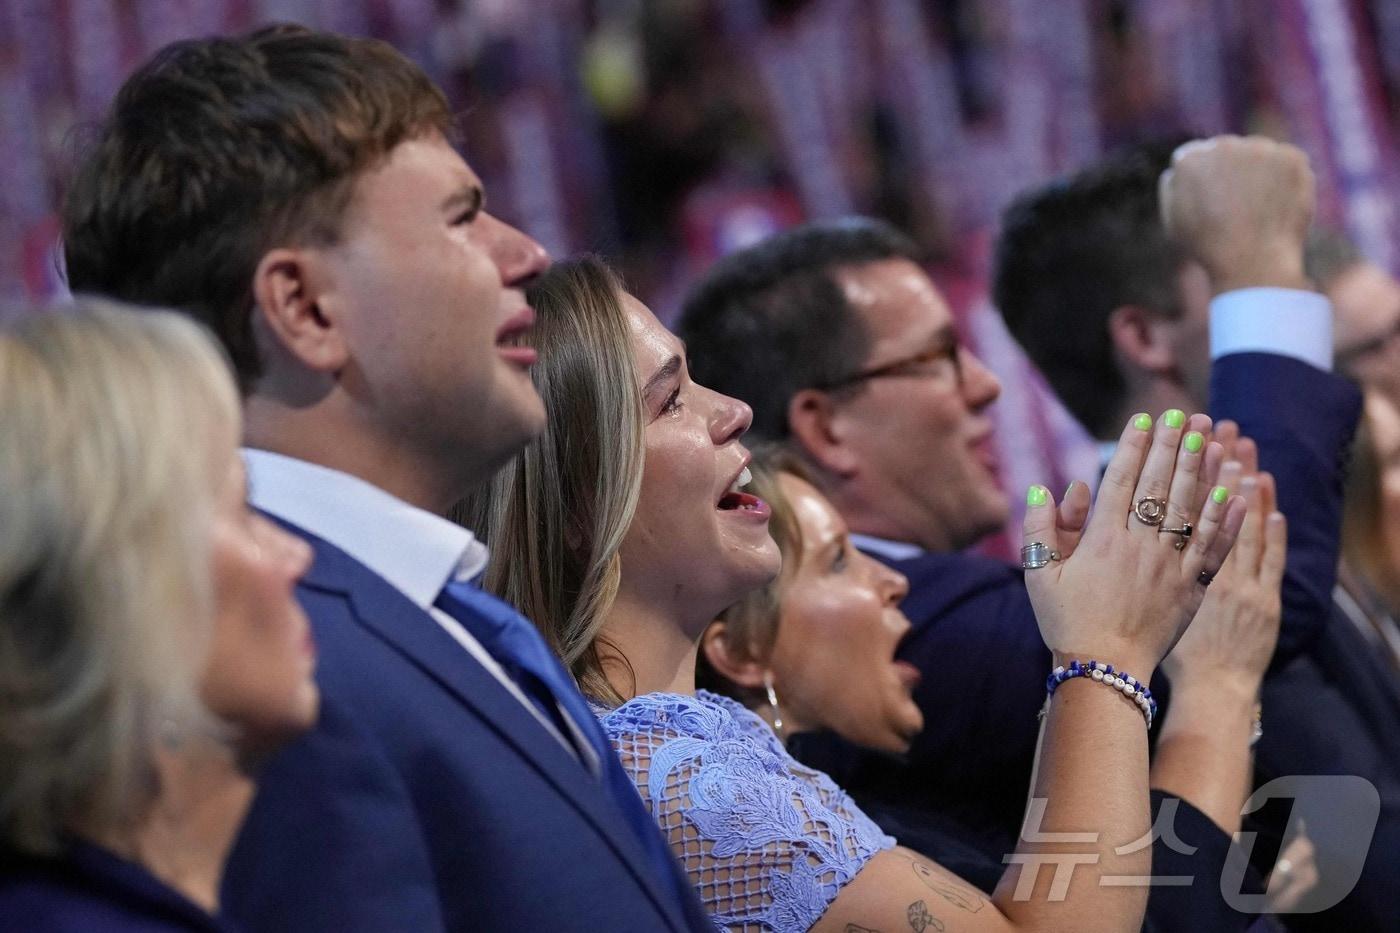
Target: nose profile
(896,585)
(731,418)
(517,255)
(980,385)
(289,551)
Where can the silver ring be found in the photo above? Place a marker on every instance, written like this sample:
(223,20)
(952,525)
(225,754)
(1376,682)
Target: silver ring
(1150,510)
(1037,555)
(1183,534)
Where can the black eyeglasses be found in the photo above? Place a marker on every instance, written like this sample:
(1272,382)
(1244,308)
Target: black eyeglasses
(935,362)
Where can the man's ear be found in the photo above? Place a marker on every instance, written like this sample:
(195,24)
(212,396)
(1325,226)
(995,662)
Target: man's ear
(729,663)
(294,304)
(818,426)
(1140,339)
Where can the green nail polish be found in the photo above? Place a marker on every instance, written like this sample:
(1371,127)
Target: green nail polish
(1143,422)
(1037,495)
(1174,418)
(1220,494)
(1194,442)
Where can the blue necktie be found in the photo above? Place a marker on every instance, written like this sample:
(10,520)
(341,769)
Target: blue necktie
(520,649)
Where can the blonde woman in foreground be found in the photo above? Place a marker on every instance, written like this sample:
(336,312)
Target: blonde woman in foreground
(152,654)
(624,530)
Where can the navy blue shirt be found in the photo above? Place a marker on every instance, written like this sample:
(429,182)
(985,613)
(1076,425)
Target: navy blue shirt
(86,889)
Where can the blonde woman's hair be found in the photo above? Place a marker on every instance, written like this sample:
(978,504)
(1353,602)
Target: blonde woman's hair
(751,624)
(556,516)
(115,429)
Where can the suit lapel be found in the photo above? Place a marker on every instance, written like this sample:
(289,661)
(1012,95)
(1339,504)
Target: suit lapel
(406,628)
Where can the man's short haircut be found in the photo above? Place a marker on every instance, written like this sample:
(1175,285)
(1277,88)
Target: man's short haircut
(1327,255)
(1073,251)
(218,150)
(771,320)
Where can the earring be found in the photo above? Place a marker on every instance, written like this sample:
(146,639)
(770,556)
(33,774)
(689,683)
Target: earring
(773,703)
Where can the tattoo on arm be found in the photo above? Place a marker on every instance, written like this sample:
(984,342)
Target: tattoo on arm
(920,919)
(958,895)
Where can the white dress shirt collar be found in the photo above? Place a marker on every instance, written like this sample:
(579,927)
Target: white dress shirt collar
(413,549)
(891,550)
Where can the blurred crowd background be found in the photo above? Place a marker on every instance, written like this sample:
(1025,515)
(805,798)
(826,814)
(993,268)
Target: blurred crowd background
(664,133)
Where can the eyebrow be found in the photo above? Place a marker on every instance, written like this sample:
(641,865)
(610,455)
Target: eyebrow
(662,375)
(471,196)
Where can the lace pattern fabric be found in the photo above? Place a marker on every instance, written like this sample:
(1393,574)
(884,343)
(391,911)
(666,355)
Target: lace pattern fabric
(767,842)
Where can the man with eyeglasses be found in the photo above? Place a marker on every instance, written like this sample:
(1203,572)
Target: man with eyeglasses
(846,352)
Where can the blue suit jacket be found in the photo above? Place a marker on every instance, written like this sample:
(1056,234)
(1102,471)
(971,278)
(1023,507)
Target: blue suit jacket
(970,768)
(428,797)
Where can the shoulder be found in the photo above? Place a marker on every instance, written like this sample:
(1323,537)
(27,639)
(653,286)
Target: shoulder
(732,802)
(702,716)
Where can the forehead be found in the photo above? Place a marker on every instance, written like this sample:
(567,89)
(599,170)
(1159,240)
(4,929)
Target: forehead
(896,300)
(652,344)
(1366,299)
(419,173)
(819,523)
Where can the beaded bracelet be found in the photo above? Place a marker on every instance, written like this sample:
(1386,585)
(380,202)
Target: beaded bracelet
(1103,673)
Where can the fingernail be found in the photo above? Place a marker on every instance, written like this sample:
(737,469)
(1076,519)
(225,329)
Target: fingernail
(1220,494)
(1143,422)
(1037,495)
(1194,442)
(1174,417)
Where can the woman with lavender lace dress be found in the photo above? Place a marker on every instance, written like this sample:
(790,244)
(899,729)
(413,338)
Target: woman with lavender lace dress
(623,531)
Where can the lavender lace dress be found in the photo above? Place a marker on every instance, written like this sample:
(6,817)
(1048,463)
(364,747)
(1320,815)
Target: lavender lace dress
(767,841)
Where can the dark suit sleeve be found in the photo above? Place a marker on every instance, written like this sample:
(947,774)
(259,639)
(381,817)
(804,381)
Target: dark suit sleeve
(331,806)
(1303,420)
(1194,848)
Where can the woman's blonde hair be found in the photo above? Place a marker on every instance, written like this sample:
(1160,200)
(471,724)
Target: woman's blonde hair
(114,429)
(556,516)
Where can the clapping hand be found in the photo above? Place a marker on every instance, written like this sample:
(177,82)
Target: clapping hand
(1234,633)
(1123,592)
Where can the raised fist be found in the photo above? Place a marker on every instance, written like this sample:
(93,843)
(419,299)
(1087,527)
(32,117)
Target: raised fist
(1240,206)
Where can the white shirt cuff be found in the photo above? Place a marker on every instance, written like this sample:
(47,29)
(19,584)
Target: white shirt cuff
(1285,321)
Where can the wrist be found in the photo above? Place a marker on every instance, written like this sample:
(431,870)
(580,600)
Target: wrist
(1283,269)
(1124,658)
(1220,688)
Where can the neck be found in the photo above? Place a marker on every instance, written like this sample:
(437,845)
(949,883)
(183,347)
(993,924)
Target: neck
(1153,396)
(186,835)
(327,435)
(870,514)
(659,648)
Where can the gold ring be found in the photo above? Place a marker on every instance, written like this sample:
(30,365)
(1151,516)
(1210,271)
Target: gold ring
(1150,510)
